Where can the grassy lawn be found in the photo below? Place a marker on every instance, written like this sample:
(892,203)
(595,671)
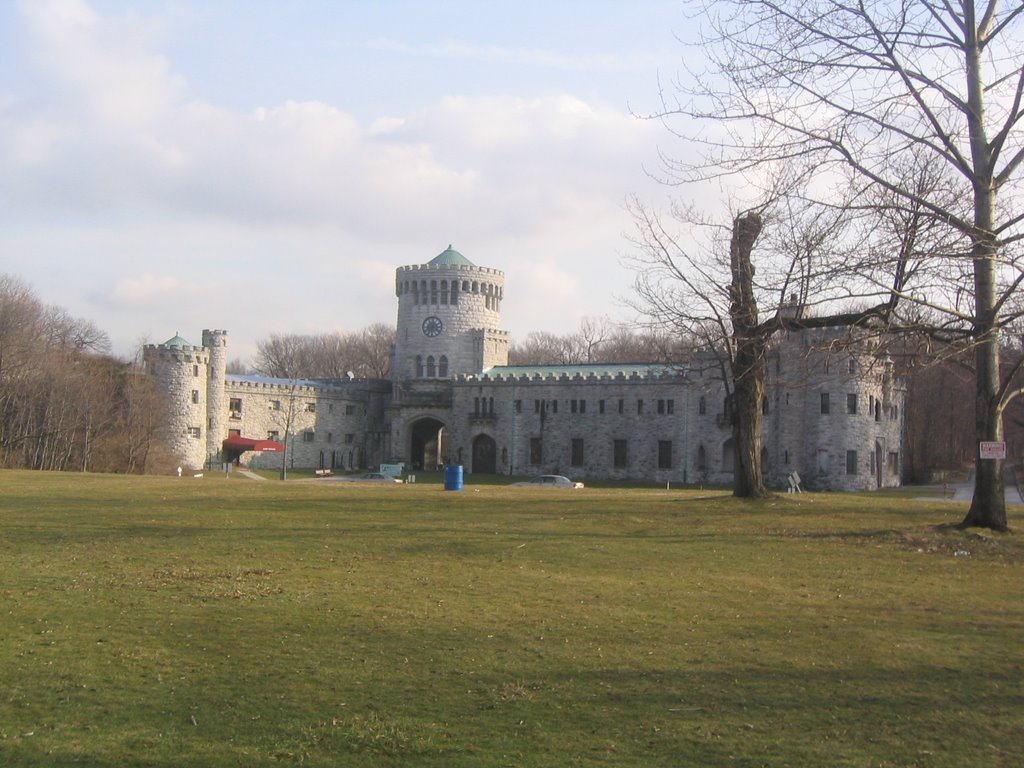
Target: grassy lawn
(208,622)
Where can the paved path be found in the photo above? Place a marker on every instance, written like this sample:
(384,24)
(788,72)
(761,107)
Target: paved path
(965,491)
(247,474)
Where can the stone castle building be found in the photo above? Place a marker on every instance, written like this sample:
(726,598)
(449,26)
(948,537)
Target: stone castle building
(833,416)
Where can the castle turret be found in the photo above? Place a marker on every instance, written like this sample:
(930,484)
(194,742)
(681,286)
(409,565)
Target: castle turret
(449,318)
(181,373)
(216,343)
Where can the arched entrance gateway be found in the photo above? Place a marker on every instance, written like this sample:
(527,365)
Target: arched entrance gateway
(427,450)
(484,455)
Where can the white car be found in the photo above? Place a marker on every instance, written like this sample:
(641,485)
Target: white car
(549,481)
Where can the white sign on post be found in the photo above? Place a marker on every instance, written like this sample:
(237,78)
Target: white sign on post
(993,450)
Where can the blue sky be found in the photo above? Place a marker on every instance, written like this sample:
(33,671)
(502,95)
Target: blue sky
(265,166)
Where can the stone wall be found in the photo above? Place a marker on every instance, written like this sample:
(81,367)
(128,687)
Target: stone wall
(216,342)
(469,337)
(337,425)
(180,373)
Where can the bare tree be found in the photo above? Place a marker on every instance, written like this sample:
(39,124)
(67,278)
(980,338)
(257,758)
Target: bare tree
(284,356)
(237,365)
(863,90)
(327,355)
(374,347)
(539,348)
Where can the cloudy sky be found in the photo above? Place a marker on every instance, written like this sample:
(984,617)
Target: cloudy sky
(264,165)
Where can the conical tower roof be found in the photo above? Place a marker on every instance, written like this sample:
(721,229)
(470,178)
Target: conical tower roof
(451,258)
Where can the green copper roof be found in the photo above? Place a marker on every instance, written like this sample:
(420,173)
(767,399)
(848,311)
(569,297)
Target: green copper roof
(452,258)
(177,341)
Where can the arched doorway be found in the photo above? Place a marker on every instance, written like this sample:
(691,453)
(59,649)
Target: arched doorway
(484,455)
(427,448)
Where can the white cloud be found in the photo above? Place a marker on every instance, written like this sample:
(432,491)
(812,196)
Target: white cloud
(144,289)
(462,50)
(294,199)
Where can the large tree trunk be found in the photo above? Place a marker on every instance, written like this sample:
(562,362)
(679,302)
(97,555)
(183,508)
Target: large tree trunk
(988,506)
(748,365)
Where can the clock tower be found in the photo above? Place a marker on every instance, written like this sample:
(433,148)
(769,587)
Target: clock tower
(449,318)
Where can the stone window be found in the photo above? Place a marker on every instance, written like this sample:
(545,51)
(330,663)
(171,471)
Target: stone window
(554,406)
(826,406)
(442,367)
(729,455)
(195,432)
(517,405)
(764,405)
(308,436)
(431,367)
(702,459)
(235,406)
(622,405)
(702,405)
(878,410)
(824,461)
(310,407)
(195,395)
(851,403)
(576,452)
(583,406)
(670,406)
(851,462)
(419,366)
(639,406)
(600,406)
(852,365)
(350,410)
(619,454)
(661,406)
(349,438)
(273,434)
(664,454)
(195,370)
(275,405)
(536,450)
(330,437)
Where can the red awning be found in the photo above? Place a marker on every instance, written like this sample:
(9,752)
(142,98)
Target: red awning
(239,443)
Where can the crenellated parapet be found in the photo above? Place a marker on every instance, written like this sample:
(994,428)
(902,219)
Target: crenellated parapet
(436,268)
(580,373)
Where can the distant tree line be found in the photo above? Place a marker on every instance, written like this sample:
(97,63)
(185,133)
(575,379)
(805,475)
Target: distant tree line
(65,403)
(599,340)
(364,353)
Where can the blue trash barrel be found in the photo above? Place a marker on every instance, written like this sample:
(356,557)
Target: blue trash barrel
(453,478)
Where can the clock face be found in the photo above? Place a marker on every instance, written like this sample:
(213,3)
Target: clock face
(432,326)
